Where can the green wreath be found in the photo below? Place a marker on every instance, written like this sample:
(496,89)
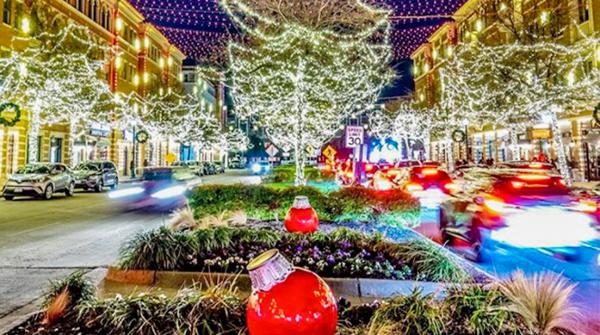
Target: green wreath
(13,108)
(459,136)
(596,114)
(142,136)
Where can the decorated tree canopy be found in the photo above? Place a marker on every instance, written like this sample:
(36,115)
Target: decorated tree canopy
(298,77)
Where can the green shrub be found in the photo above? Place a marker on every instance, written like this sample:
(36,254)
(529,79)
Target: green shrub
(217,310)
(80,289)
(287,173)
(340,253)
(266,203)
(156,249)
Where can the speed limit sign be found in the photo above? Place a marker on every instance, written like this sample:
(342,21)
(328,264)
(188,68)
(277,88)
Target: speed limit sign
(355,136)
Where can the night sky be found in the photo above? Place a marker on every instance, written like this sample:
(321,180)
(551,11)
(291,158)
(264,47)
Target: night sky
(201,29)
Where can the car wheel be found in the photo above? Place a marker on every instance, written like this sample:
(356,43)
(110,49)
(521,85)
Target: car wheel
(48,192)
(8,197)
(99,187)
(70,190)
(115,184)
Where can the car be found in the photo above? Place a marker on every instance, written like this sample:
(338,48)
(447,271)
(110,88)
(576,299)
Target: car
(260,168)
(196,167)
(236,163)
(422,178)
(526,165)
(219,167)
(516,208)
(162,188)
(211,168)
(41,180)
(95,175)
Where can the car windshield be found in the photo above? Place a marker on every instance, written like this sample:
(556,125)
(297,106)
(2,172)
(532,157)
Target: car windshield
(88,166)
(158,174)
(41,169)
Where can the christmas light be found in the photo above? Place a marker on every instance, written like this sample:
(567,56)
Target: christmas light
(300,82)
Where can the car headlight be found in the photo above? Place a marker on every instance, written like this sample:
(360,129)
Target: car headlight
(38,180)
(255,168)
(170,192)
(125,192)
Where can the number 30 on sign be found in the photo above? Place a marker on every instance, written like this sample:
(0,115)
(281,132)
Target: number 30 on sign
(355,136)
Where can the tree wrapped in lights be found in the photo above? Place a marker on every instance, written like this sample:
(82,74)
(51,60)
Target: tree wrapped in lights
(57,79)
(300,74)
(532,76)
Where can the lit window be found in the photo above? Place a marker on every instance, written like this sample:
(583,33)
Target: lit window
(584,10)
(6,12)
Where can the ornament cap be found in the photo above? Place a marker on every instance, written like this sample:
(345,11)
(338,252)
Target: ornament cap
(269,269)
(301,202)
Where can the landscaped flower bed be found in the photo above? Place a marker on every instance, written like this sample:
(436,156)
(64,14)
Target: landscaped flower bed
(339,254)
(538,305)
(264,203)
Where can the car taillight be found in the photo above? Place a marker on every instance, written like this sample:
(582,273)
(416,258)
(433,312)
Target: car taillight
(535,165)
(369,167)
(517,184)
(561,182)
(492,205)
(412,187)
(429,172)
(533,177)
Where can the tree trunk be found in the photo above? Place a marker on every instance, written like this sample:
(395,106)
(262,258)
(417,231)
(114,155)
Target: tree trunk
(514,144)
(299,154)
(34,133)
(72,136)
(563,165)
(449,151)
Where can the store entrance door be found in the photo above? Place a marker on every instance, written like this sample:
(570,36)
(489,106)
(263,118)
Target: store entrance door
(56,149)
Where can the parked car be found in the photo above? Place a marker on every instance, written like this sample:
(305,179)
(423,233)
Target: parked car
(523,209)
(40,180)
(236,163)
(162,188)
(95,175)
(210,168)
(219,167)
(196,167)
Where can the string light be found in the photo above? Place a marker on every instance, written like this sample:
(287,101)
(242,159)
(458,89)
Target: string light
(301,95)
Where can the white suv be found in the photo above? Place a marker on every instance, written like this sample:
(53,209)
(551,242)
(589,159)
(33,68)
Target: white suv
(40,180)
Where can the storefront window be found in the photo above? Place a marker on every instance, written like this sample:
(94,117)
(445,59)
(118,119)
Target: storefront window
(56,150)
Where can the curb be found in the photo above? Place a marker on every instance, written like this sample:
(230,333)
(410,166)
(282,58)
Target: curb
(348,287)
(19,316)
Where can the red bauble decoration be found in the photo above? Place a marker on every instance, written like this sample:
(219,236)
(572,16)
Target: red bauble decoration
(287,300)
(301,218)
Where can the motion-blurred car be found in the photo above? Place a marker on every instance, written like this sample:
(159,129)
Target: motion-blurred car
(162,188)
(95,175)
(516,208)
(260,168)
(543,166)
(41,180)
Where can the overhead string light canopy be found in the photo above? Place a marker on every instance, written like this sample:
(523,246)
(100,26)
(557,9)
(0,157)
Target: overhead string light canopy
(201,28)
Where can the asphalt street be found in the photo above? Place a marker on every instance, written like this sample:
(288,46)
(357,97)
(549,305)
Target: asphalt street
(42,240)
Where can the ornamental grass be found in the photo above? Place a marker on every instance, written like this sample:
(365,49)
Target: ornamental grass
(339,253)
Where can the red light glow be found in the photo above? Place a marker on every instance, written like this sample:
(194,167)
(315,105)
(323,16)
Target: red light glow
(533,177)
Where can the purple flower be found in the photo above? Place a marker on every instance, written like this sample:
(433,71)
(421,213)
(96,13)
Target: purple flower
(331,259)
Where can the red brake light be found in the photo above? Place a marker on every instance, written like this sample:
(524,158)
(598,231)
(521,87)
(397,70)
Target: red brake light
(412,187)
(533,177)
(561,182)
(517,184)
(535,165)
(369,167)
(429,172)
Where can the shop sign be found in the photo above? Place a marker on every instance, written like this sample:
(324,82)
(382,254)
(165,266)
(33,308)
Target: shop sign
(99,132)
(540,134)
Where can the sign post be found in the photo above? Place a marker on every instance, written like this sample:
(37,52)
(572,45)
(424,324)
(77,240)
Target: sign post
(355,138)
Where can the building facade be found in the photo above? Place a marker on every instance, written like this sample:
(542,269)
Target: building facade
(474,20)
(212,96)
(141,60)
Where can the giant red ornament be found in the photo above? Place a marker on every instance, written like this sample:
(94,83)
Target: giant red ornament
(287,300)
(301,218)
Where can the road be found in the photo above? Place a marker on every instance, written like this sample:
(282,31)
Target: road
(42,240)
(584,272)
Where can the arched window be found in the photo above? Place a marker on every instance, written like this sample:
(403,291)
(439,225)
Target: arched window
(94,11)
(79,5)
